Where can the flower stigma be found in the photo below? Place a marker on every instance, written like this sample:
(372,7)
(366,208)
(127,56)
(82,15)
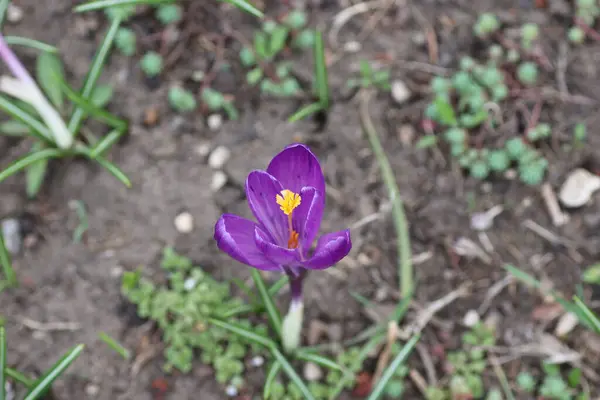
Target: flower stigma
(288,201)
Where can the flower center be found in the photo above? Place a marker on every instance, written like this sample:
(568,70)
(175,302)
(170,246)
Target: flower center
(288,201)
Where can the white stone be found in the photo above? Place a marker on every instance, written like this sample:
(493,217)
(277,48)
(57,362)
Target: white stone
(11,233)
(231,391)
(257,361)
(214,122)
(203,149)
(219,157)
(312,372)
(566,324)
(219,180)
(352,46)
(14,13)
(189,284)
(471,319)
(92,390)
(578,188)
(485,220)
(184,222)
(400,92)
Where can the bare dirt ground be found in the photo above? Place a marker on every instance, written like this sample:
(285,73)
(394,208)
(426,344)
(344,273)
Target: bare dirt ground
(80,283)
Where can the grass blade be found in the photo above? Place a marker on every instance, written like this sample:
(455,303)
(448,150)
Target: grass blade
(322,81)
(28,160)
(106,143)
(246,6)
(292,374)
(272,311)
(591,317)
(318,359)
(3,349)
(273,290)
(245,333)
(9,273)
(31,43)
(50,73)
(114,170)
(116,346)
(35,173)
(3,7)
(19,377)
(405,267)
(39,130)
(271,376)
(379,388)
(94,73)
(43,384)
(305,112)
(100,4)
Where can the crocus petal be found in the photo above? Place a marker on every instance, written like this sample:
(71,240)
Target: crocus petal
(296,167)
(331,248)
(235,236)
(306,219)
(279,255)
(262,190)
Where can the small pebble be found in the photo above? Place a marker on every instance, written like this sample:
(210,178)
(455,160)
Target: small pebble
(189,284)
(257,361)
(406,134)
(352,46)
(184,222)
(10,393)
(214,122)
(14,13)
(312,372)
(231,391)
(400,92)
(471,319)
(566,324)
(219,180)
(203,149)
(116,271)
(92,390)
(578,188)
(11,232)
(484,220)
(219,157)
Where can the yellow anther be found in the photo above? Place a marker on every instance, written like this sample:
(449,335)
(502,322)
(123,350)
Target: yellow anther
(288,201)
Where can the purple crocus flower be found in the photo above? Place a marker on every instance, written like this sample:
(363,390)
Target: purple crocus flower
(287,201)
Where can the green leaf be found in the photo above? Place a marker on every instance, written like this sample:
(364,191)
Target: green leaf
(591,318)
(3,350)
(101,4)
(39,130)
(389,372)
(102,95)
(14,128)
(292,374)
(246,6)
(247,57)
(114,170)
(105,143)
(28,160)
(305,112)
(271,376)
(277,41)
(272,311)
(260,45)
(10,277)
(592,274)
(254,76)
(43,384)
(426,142)
(322,81)
(244,332)
(94,73)
(116,346)
(446,114)
(319,359)
(50,72)
(31,43)
(35,173)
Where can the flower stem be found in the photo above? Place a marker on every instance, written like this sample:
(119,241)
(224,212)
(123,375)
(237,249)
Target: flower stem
(292,323)
(12,62)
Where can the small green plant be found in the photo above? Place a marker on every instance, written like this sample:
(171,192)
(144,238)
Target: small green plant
(553,385)
(215,101)
(151,64)
(529,34)
(369,77)
(486,24)
(527,73)
(267,71)
(182,310)
(126,41)
(169,13)
(182,100)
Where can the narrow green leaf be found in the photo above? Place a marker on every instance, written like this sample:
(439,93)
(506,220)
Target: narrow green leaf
(28,160)
(102,95)
(50,72)
(319,359)
(42,385)
(322,81)
(305,112)
(245,333)
(3,350)
(94,73)
(278,39)
(260,45)
(389,372)
(276,287)
(3,7)
(292,374)
(271,376)
(116,346)
(105,143)
(7,270)
(591,317)
(19,377)
(14,128)
(446,113)
(114,170)
(246,6)
(35,173)
(272,311)
(426,142)
(31,43)
(39,130)
(100,4)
